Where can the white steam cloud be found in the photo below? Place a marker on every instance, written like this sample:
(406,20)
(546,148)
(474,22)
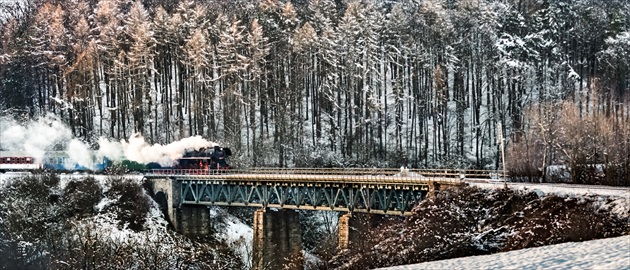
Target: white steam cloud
(138,150)
(34,138)
(49,133)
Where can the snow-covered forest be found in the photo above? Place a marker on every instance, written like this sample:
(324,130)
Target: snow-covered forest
(330,83)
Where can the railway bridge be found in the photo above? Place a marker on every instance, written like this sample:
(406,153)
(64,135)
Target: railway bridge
(185,195)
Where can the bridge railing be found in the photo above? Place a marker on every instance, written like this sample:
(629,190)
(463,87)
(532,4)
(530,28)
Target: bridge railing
(448,173)
(330,175)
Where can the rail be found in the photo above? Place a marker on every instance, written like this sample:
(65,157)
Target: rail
(450,173)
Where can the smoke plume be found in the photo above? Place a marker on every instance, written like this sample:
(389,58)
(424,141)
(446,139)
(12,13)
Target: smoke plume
(49,133)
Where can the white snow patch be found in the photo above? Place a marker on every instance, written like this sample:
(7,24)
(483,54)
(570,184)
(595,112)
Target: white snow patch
(236,234)
(611,253)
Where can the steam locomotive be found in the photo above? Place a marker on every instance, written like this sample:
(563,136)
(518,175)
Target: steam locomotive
(201,161)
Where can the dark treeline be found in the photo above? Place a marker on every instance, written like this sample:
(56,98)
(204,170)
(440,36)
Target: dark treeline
(325,82)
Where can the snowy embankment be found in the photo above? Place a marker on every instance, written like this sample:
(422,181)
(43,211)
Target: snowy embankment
(611,253)
(560,189)
(236,234)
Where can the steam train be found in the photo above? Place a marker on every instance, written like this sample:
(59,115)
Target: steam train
(201,161)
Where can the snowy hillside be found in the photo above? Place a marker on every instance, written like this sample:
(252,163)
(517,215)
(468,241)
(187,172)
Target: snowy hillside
(476,221)
(610,253)
(108,222)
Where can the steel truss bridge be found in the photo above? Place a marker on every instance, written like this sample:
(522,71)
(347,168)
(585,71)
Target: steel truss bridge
(378,191)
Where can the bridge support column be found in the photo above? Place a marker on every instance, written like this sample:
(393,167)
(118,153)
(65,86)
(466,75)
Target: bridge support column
(356,228)
(343,238)
(165,192)
(434,188)
(277,235)
(187,219)
(193,220)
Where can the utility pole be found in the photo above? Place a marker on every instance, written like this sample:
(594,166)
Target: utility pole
(501,140)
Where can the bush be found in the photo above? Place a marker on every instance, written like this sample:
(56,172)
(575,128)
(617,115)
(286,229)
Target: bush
(131,202)
(560,134)
(80,197)
(31,222)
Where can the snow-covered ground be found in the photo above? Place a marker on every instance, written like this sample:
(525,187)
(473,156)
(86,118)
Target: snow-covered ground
(560,189)
(236,234)
(611,253)
(8,177)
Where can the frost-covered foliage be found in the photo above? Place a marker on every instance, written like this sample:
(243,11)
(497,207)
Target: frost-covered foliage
(322,82)
(87,224)
(473,221)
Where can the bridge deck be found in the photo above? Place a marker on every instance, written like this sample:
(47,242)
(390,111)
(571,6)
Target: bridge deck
(320,179)
(339,176)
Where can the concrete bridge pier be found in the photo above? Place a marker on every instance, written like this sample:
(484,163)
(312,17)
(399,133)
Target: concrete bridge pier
(193,220)
(355,229)
(166,193)
(277,235)
(434,188)
(186,219)
(343,239)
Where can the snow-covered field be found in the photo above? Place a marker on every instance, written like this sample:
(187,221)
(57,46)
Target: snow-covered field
(611,253)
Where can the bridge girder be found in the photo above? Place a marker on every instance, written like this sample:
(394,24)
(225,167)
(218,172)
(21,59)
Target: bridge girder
(392,199)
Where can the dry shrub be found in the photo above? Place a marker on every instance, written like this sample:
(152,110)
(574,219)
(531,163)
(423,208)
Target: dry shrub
(553,219)
(592,145)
